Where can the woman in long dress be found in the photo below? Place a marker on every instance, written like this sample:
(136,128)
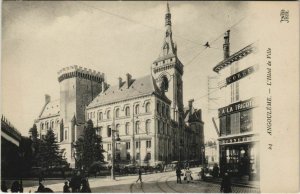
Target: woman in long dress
(188,175)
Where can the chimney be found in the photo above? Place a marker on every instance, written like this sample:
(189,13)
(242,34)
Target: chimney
(128,80)
(120,82)
(191,106)
(47,98)
(226,44)
(103,86)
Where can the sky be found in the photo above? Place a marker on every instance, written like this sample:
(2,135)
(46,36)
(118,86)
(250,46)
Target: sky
(115,38)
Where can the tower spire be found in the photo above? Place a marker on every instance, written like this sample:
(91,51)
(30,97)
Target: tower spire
(168,16)
(169,47)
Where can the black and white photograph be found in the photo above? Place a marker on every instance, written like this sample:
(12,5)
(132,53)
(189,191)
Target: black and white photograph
(150,96)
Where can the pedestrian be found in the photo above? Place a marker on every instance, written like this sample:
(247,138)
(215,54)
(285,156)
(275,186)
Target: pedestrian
(66,188)
(3,186)
(21,189)
(140,176)
(178,174)
(40,188)
(188,175)
(75,182)
(15,187)
(85,186)
(41,177)
(226,184)
(215,171)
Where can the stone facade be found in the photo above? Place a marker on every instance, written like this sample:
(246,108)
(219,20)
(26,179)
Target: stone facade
(147,112)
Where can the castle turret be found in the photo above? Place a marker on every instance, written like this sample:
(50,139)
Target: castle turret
(78,87)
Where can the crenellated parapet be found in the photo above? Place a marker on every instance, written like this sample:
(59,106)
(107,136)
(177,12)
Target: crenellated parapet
(77,71)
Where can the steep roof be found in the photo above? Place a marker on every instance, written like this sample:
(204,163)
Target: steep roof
(194,117)
(139,87)
(51,109)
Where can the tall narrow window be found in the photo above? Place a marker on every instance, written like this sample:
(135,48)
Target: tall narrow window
(137,144)
(127,145)
(66,135)
(137,127)
(127,125)
(147,108)
(148,144)
(158,107)
(117,113)
(127,111)
(118,127)
(137,109)
(108,114)
(100,116)
(108,131)
(148,125)
(246,121)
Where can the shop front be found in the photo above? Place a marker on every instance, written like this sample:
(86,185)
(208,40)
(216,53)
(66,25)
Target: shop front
(239,156)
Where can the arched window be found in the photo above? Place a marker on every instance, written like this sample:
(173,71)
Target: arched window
(127,111)
(42,126)
(163,127)
(118,127)
(108,131)
(137,109)
(148,125)
(164,84)
(52,124)
(117,113)
(163,109)
(108,114)
(137,127)
(100,116)
(147,108)
(93,114)
(47,125)
(127,126)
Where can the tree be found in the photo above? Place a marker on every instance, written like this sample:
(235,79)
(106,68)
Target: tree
(88,148)
(34,132)
(48,153)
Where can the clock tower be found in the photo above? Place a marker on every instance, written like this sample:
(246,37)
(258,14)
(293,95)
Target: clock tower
(167,70)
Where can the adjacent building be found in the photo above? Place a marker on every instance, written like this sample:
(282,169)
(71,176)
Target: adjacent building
(147,113)
(238,113)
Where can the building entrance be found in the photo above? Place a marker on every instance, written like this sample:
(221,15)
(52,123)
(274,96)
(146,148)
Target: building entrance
(239,159)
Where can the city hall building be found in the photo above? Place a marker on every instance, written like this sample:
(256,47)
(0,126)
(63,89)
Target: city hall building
(147,113)
(238,113)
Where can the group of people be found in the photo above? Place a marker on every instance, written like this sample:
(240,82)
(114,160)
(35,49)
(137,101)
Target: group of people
(225,183)
(187,175)
(16,187)
(78,184)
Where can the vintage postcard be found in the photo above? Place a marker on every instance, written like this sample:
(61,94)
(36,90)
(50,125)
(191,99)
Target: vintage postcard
(150,96)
